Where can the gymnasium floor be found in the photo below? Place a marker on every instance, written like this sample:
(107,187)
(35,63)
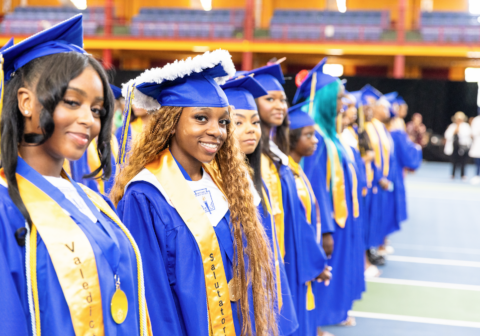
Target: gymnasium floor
(431,284)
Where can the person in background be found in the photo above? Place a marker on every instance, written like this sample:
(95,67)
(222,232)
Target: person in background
(408,156)
(416,130)
(303,257)
(119,106)
(241,94)
(330,173)
(474,151)
(458,138)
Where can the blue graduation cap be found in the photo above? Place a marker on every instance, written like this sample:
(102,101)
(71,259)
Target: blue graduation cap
(241,93)
(401,101)
(299,117)
(117,92)
(358,96)
(7,45)
(186,83)
(269,76)
(392,99)
(369,93)
(303,91)
(64,37)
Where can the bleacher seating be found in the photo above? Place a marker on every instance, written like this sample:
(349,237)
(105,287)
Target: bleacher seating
(32,19)
(187,23)
(329,25)
(450,27)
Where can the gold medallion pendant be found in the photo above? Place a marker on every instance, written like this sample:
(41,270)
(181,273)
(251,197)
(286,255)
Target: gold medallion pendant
(119,305)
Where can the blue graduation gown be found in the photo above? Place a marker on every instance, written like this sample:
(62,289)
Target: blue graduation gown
(336,300)
(80,168)
(408,156)
(173,267)
(359,224)
(287,318)
(304,258)
(55,315)
(389,221)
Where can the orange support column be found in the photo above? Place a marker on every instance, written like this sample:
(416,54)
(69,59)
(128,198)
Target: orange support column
(107,53)
(402,7)
(247,57)
(399,66)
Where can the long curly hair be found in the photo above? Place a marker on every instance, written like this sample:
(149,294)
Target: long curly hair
(250,241)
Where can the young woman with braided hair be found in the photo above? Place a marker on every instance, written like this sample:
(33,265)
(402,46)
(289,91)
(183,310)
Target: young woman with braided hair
(184,193)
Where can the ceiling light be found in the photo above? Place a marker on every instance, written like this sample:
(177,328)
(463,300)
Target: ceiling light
(335,70)
(206,4)
(472,75)
(342,6)
(80,4)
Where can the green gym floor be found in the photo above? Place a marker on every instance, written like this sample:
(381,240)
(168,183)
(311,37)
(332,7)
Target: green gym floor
(431,284)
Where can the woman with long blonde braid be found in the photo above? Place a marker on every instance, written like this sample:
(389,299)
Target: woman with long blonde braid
(185,195)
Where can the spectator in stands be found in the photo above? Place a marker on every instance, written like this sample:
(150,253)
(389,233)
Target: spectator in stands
(416,130)
(475,149)
(458,138)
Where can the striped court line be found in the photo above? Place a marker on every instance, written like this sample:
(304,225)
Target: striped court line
(437,248)
(432,261)
(428,284)
(404,318)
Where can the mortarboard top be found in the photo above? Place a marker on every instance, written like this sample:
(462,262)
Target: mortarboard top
(117,92)
(369,93)
(7,45)
(64,37)
(241,92)
(401,101)
(193,82)
(298,116)
(269,76)
(304,90)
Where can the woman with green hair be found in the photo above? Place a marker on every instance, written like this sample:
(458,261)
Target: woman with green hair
(333,179)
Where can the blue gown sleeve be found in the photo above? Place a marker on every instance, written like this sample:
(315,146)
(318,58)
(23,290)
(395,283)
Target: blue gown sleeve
(408,154)
(300,239)
(140,217)
(315,169)
(14,318)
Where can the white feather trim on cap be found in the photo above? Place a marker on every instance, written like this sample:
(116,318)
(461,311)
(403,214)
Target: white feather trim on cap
(179,69)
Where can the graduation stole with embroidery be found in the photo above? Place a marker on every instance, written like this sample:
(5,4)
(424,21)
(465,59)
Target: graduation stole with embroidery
(183,199)
(94,160)
(272,180)
(72,257)
(307,197)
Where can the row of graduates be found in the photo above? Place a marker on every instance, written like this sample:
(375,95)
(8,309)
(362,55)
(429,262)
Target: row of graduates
(216,216)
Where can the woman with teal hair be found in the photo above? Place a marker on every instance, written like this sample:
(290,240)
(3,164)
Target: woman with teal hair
(333,179)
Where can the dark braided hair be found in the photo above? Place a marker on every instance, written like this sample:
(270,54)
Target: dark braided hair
(48,77)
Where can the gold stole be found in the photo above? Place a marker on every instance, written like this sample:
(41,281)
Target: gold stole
(72,257)
(380,127)
(375,141)
(340,210)
(356,207)
(272,180)
(94,160)
(305,193)
(274,242)
(182,197)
